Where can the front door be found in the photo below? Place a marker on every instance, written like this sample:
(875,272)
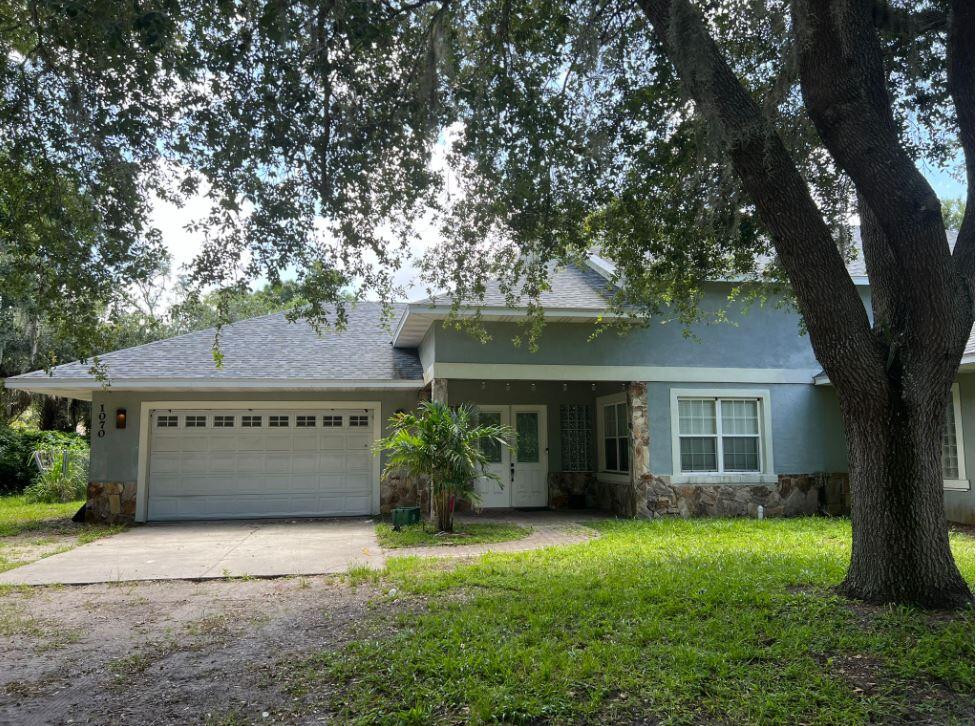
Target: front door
(523,473)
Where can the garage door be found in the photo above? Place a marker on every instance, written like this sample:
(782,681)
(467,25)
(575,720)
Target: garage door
(212,464)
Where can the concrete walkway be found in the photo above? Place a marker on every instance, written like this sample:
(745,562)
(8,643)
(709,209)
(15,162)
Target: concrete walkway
(549,529)
(200,550)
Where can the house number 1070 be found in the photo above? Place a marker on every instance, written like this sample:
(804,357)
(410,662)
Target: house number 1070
(101,420)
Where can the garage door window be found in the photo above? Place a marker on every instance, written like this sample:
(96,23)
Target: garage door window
(223,422)
(251,421)
(303,422)
(195,422)
(359,421)
(167,422)
(278,421)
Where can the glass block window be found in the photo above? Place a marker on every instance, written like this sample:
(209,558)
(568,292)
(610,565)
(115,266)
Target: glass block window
(359,421)
(332,421)
(950,446)
(195,422)
(223,421)
(276,421)
(303,422)
(616,437)
(251,421)
(719,435)
(576,436)
(167,421)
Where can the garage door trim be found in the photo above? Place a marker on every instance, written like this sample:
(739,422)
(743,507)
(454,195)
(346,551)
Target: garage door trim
(145,419)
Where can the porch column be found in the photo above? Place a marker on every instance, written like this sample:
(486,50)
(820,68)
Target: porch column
(438,390)
(640,442)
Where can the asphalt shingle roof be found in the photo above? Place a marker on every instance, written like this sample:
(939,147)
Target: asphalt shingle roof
(266,347)
(570,287)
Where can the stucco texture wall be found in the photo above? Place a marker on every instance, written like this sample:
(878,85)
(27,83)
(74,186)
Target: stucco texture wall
(757,337)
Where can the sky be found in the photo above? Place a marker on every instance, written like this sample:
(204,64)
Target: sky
(184,245)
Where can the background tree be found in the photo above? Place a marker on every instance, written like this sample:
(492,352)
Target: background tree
(685,140)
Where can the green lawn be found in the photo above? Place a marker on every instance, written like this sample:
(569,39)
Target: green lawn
(465,533)
(671,621)
(30,531)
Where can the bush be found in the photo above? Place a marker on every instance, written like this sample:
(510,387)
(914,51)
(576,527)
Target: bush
(17,446)
(65,481)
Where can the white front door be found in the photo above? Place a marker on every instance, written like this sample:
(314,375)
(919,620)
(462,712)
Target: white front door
(523,474)
(530,487)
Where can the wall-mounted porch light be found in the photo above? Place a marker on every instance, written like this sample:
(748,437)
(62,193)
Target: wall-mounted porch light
(120,418)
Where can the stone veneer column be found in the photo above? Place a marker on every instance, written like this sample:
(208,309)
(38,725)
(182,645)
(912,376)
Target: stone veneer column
(438,390)
(640,443)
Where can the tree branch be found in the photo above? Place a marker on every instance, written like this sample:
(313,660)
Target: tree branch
(961,81)
(908,24)
(832,310)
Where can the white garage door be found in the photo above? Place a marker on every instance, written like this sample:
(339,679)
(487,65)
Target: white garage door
(212,464)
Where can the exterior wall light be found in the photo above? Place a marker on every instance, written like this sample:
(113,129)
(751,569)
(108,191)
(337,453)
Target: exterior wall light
(120,418)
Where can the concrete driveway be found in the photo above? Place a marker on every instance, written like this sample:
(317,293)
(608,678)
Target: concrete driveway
(199,550)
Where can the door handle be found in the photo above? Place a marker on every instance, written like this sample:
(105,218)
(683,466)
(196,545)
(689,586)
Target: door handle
(511,469)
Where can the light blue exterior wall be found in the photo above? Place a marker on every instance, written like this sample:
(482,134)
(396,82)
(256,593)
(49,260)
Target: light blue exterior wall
(807,436)
(758,337)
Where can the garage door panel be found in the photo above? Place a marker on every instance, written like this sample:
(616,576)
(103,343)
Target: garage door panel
(203,472)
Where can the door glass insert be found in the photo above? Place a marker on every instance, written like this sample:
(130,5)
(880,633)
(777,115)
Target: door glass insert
(491,449)
(527,428)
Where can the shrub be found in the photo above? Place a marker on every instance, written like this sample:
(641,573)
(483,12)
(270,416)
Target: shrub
(64,481)
(17,468)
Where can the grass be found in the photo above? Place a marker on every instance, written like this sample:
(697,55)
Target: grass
(465,533)
(670,621)
(52,525)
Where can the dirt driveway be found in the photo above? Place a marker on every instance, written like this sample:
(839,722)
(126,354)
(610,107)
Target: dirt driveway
(167,652)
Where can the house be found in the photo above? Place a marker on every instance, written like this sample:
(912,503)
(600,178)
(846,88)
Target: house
(649,422)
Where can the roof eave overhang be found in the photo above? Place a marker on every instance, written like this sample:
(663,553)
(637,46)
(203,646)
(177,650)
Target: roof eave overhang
(83,388)
(418,318)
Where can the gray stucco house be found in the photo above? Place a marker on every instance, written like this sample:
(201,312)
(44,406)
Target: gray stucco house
(646,423)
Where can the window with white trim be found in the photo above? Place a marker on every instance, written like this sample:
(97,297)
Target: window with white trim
(167,421)
(616,438)
(954,474)
(276,421)
(223,421)
(358,421)
(719,435)
(251,421)
(302,421)
(195,422)
(332,421)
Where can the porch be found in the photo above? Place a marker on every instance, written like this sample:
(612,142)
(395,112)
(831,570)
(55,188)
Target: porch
(581,444)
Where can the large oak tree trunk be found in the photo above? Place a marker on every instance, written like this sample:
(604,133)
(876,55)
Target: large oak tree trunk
(892,374)
(900,549)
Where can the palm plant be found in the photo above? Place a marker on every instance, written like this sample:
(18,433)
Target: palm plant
(445,446)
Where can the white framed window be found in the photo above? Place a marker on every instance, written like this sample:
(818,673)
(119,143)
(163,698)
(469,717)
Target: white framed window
(953,445)
(167,421)
(303,421)
(332,421)
(195,421)
(721,435)
(613,437)
(358,420)
(279,421)
(223,421)
(251,421)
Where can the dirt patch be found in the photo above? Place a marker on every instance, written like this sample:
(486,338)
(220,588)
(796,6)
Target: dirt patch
(165,652)
(20,549)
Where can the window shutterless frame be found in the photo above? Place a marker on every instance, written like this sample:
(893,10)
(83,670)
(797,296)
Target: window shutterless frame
(766,472)
(719,434)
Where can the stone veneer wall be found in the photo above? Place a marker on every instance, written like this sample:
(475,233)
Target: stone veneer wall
(400,490)
(572,489)
(793,495)
(111,502)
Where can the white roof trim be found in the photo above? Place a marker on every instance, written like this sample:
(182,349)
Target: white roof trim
(52,384)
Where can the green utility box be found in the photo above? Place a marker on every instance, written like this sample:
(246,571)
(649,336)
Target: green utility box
(405,515)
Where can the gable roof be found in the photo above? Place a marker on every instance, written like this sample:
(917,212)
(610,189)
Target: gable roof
(570,287)
(263,352)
